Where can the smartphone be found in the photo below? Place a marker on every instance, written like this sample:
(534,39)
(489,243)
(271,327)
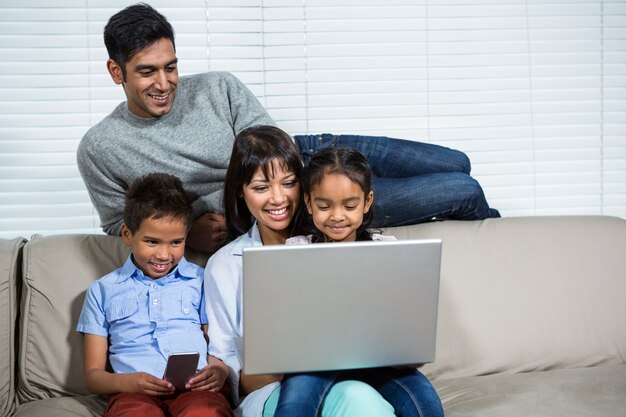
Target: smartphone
(180,367)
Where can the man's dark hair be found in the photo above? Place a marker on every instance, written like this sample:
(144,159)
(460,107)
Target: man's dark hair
(133,29)
(156,196)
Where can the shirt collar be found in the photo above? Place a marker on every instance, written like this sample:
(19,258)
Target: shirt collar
(183,270)
(251,238)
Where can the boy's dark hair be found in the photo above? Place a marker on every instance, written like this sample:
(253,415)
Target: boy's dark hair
(342,161)
(254,147)
(133,29)
(156,195)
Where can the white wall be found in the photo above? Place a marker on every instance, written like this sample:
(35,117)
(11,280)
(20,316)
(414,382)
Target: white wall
(533,91)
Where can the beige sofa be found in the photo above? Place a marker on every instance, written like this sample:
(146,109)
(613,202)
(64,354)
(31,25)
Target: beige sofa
(532,317)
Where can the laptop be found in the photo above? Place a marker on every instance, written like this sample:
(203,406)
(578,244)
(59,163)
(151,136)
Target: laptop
(337,306)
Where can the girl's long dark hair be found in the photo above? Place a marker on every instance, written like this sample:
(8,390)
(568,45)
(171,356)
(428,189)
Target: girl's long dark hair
(254,147)
(343,161)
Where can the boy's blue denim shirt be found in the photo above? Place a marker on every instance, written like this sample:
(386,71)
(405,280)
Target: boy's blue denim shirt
(146,320)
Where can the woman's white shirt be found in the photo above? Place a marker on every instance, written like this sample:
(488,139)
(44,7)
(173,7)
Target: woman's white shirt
(223,291)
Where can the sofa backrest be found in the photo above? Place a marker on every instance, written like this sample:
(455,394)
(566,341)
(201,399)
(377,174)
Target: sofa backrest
(528,293)
(9,269)
(57,271)
(517,294)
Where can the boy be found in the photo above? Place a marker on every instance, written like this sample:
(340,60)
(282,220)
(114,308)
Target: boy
(149,308)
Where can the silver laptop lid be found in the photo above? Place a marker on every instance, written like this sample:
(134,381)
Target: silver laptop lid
(339,305)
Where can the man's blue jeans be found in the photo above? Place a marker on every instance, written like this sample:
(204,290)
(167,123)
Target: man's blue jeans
(408,391)
(414,182)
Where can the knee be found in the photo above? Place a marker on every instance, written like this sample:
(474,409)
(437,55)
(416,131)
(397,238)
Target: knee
(355,390)
(355,398)
(465,163)
(466,187)
(475,198)
(474,189)
(415,395)
(458,160)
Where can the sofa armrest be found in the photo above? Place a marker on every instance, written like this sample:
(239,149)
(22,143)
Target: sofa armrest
(10,257)
(57,272)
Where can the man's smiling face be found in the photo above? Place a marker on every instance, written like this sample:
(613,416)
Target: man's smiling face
(151,79)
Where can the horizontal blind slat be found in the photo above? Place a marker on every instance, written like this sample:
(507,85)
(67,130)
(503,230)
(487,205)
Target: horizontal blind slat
(532,90)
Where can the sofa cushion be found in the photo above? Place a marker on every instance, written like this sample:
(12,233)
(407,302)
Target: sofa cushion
(82,406)
(598,391)
(57,272)
(528,293)
(9,267)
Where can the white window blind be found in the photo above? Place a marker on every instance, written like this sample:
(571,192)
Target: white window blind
(533,91)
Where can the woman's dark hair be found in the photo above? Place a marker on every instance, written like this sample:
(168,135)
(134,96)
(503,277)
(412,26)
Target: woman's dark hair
(156,195)
(342,161)
(133,29)
(254,147)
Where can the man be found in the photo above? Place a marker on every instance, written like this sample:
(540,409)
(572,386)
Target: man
(186,127)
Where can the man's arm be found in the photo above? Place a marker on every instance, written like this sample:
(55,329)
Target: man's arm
(246,110)
(99,381)
(208,231)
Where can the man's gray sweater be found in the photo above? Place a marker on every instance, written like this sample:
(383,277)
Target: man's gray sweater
(193,141)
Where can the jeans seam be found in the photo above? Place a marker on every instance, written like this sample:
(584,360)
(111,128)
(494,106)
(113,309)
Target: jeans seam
(330,384)
(408,391)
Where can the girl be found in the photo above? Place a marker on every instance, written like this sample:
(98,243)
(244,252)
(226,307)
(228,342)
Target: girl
(261,201)
(337,188)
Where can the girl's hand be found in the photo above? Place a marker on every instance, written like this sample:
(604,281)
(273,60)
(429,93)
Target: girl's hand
(142,382)
(212,377)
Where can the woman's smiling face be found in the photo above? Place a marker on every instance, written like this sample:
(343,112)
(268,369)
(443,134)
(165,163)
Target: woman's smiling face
(273,201)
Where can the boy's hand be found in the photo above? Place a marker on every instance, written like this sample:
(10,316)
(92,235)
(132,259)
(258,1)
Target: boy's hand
(100,381)
(211,377)
(142,382)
